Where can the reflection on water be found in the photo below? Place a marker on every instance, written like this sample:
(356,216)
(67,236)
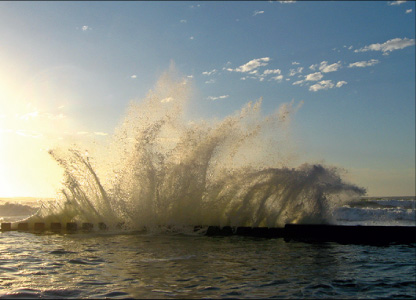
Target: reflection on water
(180,266)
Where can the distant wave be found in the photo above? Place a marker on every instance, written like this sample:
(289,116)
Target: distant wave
(14,209)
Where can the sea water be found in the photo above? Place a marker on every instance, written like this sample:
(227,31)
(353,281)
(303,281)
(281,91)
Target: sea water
(167,173)
(163,265)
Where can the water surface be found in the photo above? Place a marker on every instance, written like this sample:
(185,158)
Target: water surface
(131,265)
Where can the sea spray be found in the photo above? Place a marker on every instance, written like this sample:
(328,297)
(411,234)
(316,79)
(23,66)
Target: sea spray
(161,169)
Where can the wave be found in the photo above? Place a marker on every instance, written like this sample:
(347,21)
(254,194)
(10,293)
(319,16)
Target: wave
(160,169)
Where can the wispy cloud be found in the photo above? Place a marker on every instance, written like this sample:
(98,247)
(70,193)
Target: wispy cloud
(275,71)
(322,85)
(133,76)
(341,83)
(278,78)
(218,98)
(85,28)
(314,76)
(295,63)
(326,85)
(258,12)
(183,21)
(210,81)
(397,2)
(324,67)
(288,1)
(363,64)
(408,11)
(299,82)
(251,65)
(388,46)
(252,70)
(293,72)
(208,73)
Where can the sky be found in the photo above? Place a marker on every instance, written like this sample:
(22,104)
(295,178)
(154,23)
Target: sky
(69,69)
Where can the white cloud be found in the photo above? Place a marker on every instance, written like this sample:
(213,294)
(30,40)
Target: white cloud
(295,63)
(389,46)
(408,11)
(397,2)
(326,85)
(363,64)
(275,71)
(293,72)
(190,76)
(191,37)
(324,67)
(210,81)
(133,76)
(299,82)
(251,65)
(314,76)
(322,85)
(288,1)
(341,83)
(208,73)
(258,12)
(183,21)
(217,98)
(278,78)
(85,28)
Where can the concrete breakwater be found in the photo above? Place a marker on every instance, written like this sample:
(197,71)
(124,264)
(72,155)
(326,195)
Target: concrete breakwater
(297,232)
(53,226)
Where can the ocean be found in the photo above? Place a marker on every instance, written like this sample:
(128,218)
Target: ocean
(159,264)
(165,173)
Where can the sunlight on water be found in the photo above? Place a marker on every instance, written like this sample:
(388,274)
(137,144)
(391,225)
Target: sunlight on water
(161,169)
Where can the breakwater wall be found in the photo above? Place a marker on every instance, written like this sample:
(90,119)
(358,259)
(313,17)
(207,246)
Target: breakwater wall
(296,232)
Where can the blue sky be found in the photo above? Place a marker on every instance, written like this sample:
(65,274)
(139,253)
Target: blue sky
(69,69)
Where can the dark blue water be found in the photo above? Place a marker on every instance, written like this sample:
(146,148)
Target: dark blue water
(131,265)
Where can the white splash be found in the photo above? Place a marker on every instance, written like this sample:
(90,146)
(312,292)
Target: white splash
(161,169)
